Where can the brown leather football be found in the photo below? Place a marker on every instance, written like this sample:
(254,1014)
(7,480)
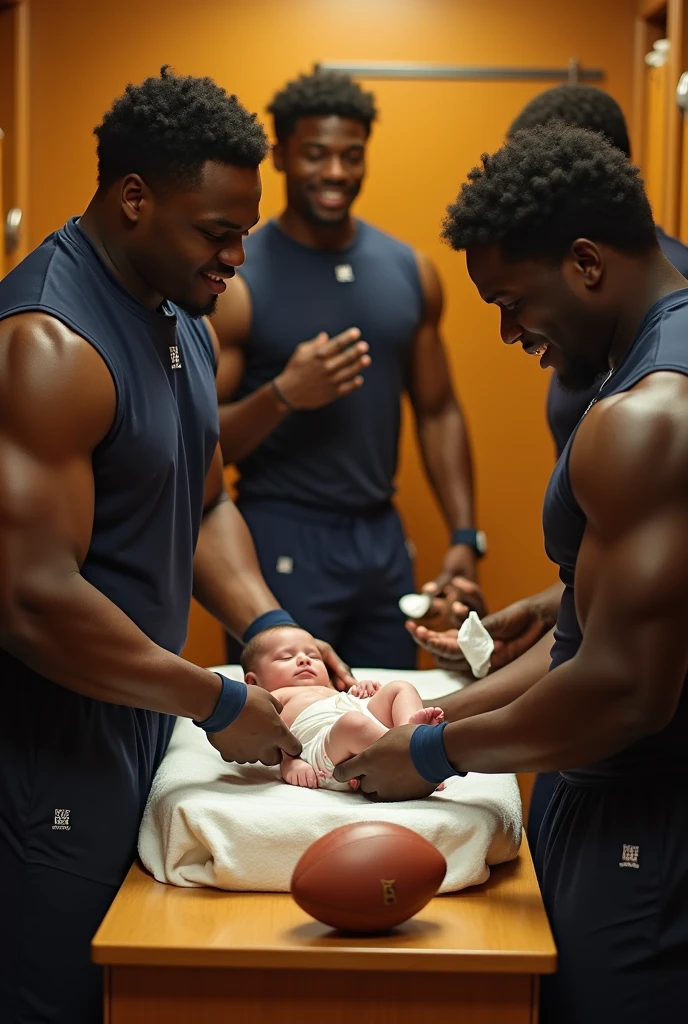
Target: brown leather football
(367,877)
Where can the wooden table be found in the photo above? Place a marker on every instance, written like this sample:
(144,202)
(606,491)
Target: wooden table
(201,956)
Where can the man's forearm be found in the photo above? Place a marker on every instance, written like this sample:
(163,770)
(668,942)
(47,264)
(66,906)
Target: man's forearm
(499,690)
(444,445)
(571,717)
(548,602)
(227,577)
(245,424)
(68,631)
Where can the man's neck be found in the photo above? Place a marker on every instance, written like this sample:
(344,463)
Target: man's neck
(317,236)
(97,223)
(645,282)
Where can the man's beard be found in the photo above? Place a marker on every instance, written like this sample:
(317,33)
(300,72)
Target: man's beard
(197,312)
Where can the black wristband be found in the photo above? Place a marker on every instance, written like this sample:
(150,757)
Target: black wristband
(285,401)
(428,754)
(229,705)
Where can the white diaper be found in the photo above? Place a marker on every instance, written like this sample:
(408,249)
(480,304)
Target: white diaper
(312,726)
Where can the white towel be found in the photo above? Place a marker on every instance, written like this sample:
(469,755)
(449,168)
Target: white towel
(209,823)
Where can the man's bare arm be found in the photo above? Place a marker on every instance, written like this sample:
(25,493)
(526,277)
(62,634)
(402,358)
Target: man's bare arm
(442,433)
(57,402)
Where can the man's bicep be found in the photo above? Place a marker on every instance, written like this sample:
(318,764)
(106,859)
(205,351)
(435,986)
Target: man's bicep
(629,470)
(57,402)
(429,378)
(632,602)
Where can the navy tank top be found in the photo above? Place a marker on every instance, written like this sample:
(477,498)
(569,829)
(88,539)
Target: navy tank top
(565,408)
(343,456)
(660,344)
(57,748)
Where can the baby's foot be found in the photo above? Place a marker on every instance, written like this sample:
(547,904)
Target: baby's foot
(427,716)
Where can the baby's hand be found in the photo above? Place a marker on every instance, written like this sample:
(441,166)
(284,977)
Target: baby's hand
(299,773)
(364,689)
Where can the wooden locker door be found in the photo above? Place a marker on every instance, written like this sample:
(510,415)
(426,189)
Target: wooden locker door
(14,118)
(2,247)
(655,138)
(683,220)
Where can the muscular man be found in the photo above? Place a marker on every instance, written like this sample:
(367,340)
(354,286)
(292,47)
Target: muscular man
(314,425)
(559,236)
(516,628)
(112,508)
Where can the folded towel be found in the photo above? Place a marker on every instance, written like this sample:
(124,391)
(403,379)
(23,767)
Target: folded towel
(240,827)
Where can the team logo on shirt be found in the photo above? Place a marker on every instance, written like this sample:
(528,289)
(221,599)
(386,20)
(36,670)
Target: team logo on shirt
(344,273)
(61,820)
(175,361)
(629,856)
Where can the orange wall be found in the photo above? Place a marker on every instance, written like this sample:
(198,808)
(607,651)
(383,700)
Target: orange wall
(429,135)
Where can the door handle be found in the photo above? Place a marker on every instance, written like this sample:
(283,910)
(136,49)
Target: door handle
(12,229)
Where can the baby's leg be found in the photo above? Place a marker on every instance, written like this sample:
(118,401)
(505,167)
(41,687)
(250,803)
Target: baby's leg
(399,703)
(350,735)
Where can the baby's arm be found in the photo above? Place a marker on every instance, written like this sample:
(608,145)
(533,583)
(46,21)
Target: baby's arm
(298,772)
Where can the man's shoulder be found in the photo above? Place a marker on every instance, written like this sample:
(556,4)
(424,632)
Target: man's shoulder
(636,439)
(372,234)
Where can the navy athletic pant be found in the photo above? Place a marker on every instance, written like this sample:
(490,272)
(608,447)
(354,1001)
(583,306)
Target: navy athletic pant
(612,861)
(339,575)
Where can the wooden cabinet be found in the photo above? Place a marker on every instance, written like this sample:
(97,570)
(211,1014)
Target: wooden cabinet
(200,956)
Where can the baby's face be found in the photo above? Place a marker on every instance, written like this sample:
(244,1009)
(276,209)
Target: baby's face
(290,658)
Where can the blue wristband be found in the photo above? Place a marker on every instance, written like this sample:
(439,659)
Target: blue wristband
(229,705)
(277,617)
(428,754)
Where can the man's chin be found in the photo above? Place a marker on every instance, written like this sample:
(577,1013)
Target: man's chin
(330,218)
(196,311)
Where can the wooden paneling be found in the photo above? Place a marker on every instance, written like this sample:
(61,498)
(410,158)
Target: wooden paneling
(677,32)
(197,996)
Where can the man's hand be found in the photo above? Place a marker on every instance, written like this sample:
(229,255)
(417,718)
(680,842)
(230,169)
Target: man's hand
(460,562)
(324,369)
(516,628)
(385,769)
(461,594)
(299,773)
(364,688)
(444,647)
(339,671)
(258,733)
(436,632)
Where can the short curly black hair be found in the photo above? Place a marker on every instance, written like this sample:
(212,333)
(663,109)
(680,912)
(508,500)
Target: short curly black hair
(581,105)
(167,127)
(321,94)
(546,187)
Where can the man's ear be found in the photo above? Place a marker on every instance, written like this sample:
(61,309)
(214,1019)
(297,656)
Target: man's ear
(251,679)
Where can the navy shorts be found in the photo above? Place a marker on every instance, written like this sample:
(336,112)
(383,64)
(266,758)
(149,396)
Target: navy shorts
(74,778)
(612,861)
(339,575)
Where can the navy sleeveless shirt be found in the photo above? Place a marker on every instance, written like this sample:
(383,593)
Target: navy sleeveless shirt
(660,344)
(343,456)
(59,749)
(565,408)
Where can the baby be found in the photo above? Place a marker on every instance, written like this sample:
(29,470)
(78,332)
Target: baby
(332,726)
